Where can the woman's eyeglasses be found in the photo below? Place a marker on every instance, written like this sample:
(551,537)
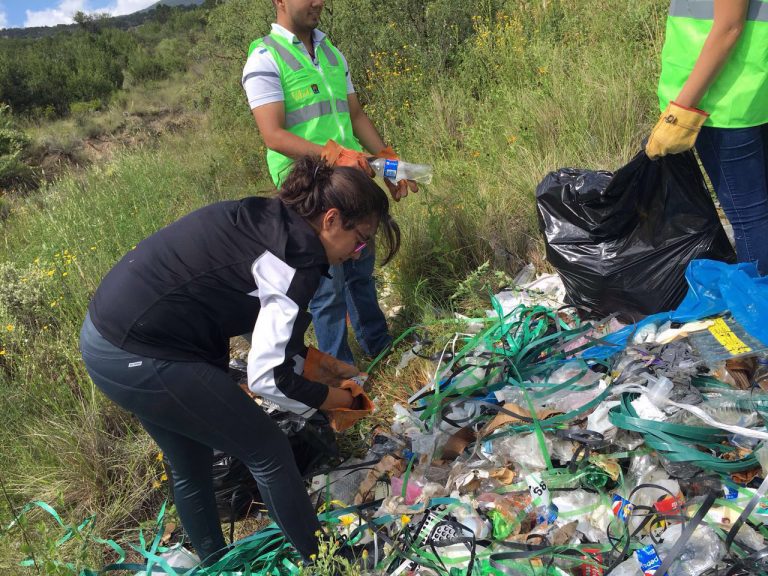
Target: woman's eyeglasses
(360,245)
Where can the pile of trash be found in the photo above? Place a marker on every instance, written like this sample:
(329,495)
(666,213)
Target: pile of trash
(549,445)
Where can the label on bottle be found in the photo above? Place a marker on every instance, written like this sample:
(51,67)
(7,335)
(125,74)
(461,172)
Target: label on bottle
(649,560)
(667,505)
(547,514)
(730,493)
(390,168)
(590,569)
(622,508)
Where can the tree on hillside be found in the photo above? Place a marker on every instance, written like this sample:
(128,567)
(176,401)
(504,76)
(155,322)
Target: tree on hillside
(90,22)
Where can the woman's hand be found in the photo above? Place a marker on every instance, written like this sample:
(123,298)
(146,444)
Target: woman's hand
(326,369)
(337,398)
(346,405)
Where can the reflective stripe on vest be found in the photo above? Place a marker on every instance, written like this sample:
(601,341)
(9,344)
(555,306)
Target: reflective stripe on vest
(315,98)
(313,111)
(738,97)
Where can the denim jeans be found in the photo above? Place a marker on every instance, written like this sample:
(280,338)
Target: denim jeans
(189,408)
(736,161)
(351,289)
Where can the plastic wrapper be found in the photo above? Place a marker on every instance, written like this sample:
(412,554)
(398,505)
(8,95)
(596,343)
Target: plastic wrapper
(621,242)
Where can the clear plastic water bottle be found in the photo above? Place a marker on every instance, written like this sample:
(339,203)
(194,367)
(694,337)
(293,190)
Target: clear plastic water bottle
(396,170)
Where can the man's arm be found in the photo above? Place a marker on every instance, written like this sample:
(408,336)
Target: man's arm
(727,26)
(270,118)
(362,126)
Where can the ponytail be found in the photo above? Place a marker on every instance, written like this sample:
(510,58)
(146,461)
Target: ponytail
(313,187)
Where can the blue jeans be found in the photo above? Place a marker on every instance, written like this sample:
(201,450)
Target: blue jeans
(189,408)
(736,161)
(351,289)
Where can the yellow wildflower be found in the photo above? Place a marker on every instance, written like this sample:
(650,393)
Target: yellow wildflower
(405,519)
(2,352)
(9,327)
(347,519)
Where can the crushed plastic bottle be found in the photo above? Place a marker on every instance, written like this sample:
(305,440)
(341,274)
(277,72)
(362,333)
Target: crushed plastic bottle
(396,170)
(702,551)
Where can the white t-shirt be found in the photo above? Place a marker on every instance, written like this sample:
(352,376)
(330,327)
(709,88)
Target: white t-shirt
(261,76)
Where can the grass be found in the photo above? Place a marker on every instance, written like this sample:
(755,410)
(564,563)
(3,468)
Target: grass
(61,442)
(532,88)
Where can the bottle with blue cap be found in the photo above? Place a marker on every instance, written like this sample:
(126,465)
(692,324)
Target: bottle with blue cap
(396,170)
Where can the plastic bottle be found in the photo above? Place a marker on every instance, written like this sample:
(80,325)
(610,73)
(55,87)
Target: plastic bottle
(396,170)
(658,389)
(702,551)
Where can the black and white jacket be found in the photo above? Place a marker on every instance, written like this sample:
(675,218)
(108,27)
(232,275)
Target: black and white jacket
(223,270)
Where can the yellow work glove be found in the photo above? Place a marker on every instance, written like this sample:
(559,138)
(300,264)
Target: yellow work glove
(336,155)
(341,419)
(326,369)
(676,130)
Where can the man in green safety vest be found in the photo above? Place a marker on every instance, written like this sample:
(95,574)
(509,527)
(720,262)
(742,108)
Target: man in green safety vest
(713,91)
(302,98)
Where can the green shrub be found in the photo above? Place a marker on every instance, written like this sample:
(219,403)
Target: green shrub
(81,109)
(24,296)
(13,145)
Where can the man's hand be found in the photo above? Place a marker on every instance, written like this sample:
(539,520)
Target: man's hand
(676,131)
(326,369)
(398,190)
(336,155)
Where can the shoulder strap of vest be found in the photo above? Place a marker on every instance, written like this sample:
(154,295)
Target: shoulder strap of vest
(329,50)
(284,52)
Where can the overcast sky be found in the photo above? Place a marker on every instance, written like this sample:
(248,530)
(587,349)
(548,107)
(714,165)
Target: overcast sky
(24,13)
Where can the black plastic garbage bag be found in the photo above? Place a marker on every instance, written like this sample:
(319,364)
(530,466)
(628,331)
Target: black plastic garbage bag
(313,444)
(237,495)
(621,241)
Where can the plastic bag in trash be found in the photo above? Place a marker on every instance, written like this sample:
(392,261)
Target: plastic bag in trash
(621,242)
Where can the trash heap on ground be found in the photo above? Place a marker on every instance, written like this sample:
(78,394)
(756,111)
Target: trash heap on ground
(549,445)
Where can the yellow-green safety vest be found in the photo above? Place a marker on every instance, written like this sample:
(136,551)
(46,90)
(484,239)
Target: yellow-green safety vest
(738,97)
(316,106)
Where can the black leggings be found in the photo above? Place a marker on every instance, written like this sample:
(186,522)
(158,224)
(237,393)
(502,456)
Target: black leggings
(189,408)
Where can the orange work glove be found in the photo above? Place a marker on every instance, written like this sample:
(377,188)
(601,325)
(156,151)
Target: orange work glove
(336,155)
(341,419)
(326,369)
(397,190)
(676,130)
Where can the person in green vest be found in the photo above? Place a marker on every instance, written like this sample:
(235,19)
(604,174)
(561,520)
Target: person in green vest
(302,98)
(713,91)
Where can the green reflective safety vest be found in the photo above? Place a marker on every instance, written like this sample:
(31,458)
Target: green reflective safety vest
(316,106)
(738,97)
